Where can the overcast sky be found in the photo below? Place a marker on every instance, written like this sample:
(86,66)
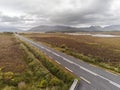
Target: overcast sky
(25,14)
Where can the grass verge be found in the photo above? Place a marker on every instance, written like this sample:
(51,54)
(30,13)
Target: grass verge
(92,60)
(96,61)
(40,73)
(66,77)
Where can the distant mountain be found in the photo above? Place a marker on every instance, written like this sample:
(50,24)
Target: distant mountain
(91,28)
(112,28)
(95,28)
(46,28)
(9,29)
(58,28)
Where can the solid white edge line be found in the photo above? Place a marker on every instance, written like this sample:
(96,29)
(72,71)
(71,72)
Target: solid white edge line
(68,69)
(85,80)
(113,83)
(74,63)
(87,70)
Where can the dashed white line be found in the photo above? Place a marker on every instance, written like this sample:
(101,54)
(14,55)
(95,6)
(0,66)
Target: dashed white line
(68,69)
(87,70)
(67,60)
(58,62)
(48,50)
(42,47)
(74,63)
(85,80)
(113,83)
(55,54)
(50,57)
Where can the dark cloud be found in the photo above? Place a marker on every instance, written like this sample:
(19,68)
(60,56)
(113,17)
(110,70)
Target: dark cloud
(27,13)
(95,12)
(9,19)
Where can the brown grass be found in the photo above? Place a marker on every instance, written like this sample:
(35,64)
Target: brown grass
(11,56)
(107,49)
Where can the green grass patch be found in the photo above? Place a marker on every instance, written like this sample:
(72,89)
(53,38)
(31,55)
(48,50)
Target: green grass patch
(61,74)
(40,73)
(55,69)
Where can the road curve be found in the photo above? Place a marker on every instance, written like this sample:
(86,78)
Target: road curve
(92,78)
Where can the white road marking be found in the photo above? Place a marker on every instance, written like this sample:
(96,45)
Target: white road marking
(55,54)
(76,64)
(87,70)
(58,62)
(50,57)
(42,47)
(48,50)
(103,78)
(68,69)
(85,80)
(113,83)
(67,60)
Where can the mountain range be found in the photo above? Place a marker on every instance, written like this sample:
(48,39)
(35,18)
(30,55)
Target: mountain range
(58,28)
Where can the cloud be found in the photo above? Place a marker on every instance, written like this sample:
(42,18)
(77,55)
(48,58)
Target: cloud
(97,10)
(28,13)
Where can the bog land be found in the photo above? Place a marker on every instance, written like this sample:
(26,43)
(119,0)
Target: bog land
(101,51)
(21,69)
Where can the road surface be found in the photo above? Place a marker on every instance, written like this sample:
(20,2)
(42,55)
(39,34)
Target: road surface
(92,77)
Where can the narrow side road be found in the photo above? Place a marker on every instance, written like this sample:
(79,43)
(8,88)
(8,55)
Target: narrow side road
(92,78)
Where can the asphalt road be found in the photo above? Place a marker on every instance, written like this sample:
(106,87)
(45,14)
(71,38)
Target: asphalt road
(92,77)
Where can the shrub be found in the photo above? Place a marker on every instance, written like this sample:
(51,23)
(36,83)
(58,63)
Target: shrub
(42,84)
(8,75)
(9,88)
(1,74)
(48,77)
(53,68)
(55,82)
(119,69)
(32,65)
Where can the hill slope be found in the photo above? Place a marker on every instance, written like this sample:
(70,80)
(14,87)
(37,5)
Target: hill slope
(58,28)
